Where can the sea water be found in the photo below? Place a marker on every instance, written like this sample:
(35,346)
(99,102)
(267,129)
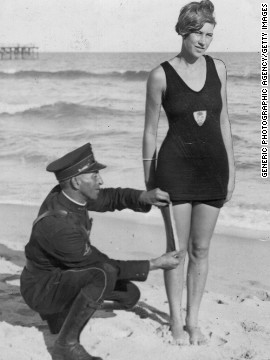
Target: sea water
(61,101)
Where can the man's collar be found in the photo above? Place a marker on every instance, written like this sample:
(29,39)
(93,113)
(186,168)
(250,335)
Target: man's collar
(72,200)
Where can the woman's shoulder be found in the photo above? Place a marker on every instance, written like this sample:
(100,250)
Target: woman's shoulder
(157,76)
(157,72)
(220,64)
(220,67)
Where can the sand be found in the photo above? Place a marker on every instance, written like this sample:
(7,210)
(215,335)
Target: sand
(235,311)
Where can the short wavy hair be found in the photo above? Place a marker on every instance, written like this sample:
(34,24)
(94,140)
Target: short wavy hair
(193,16)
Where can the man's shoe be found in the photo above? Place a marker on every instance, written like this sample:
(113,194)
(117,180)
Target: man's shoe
(67,345)
(71,352)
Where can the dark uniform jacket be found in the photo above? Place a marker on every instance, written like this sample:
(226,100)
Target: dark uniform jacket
(61,242)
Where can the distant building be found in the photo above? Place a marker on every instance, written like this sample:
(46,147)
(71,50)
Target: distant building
(17,51)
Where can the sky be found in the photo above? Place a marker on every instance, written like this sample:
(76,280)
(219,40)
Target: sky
(122,25)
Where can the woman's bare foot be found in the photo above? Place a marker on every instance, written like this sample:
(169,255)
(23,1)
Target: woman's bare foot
(196,337)
(178,333)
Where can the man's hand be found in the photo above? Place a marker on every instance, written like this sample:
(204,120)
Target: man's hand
(155,197)
(167,261)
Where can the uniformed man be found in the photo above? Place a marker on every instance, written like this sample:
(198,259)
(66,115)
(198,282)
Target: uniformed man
(66,278)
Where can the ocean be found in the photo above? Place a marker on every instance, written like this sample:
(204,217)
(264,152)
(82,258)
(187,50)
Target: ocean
(61,101)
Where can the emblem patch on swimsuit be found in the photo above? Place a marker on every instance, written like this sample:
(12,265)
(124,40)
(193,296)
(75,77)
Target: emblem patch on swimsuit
(200,116)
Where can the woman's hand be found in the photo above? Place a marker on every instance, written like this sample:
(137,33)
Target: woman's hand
(230,190)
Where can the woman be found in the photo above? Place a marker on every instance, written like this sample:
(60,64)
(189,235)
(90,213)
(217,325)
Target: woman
(195,163)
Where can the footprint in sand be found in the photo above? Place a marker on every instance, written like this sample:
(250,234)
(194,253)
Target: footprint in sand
(113,330)
(164,332)
(263,295)
(221,302)
(121,333)
(217,340)
(250,326)
(241,298)
(260,292)
(249,354)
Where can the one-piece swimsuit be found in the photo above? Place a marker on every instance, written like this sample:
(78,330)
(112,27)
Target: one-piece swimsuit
(192,161)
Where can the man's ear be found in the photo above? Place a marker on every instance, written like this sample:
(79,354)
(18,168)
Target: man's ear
(75,182)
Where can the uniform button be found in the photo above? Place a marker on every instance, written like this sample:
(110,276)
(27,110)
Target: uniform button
(137,274)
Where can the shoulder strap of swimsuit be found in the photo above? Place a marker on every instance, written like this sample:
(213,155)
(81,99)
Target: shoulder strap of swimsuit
(166,66)
(213,74)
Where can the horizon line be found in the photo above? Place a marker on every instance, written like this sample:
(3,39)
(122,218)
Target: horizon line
(142,52)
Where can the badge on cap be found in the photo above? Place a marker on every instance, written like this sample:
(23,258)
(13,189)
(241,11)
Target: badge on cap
(200,116)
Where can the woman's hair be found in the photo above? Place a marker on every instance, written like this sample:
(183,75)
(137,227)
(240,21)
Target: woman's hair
(193,16)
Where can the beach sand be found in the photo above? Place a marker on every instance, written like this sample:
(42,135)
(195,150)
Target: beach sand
(235,311)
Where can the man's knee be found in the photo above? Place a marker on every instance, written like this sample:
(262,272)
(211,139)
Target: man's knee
(102,282)
(111,277)
(133,297)
(127,294)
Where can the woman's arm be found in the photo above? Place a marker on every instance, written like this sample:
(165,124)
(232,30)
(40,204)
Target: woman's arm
(155,87)
(226,126)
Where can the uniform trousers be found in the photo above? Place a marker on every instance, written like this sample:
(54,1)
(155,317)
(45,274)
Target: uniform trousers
(97,283)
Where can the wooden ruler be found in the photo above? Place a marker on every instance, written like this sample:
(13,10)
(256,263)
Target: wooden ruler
(175,237)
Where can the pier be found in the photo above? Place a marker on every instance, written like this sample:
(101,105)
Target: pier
(25,52)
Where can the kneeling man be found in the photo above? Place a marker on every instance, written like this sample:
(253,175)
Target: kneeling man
(66,278)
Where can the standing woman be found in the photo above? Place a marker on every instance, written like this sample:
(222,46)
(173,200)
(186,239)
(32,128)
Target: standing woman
(195,163)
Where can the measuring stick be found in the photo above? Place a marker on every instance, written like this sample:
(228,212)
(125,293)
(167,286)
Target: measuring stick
(175,237)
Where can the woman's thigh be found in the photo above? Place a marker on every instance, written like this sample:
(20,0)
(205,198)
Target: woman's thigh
(203,222)
(182,219)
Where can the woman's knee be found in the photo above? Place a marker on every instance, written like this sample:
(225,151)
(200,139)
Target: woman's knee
(198,252)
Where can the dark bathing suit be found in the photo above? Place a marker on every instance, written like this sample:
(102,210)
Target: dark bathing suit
(192,162)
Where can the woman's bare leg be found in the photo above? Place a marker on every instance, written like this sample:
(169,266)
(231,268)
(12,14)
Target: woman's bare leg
(203,221)
(174,279)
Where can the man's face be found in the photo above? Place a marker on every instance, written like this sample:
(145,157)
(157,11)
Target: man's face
(89,185)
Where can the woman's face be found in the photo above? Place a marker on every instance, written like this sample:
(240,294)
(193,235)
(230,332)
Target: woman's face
(198,41)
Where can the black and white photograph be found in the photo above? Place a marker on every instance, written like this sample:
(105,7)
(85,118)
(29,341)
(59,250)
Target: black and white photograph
(135,202)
